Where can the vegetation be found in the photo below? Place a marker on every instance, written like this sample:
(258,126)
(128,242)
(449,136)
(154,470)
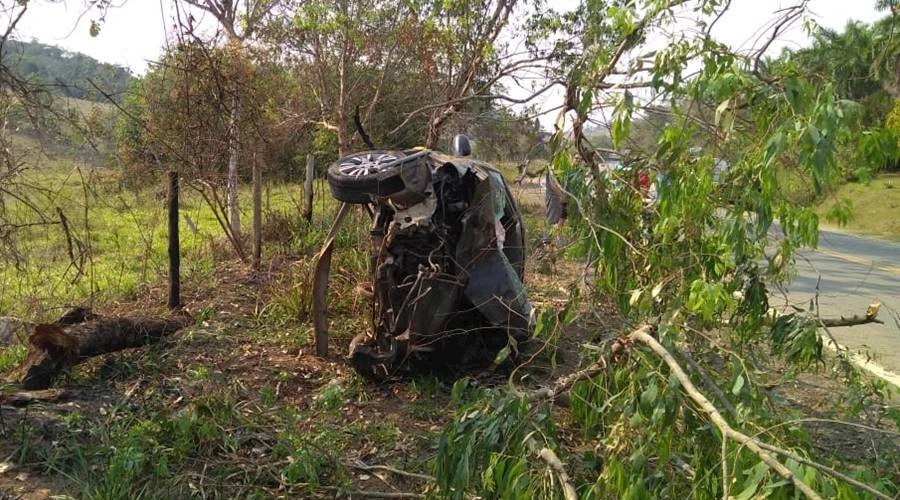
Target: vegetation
(873,206)
(661,370)
(70,74)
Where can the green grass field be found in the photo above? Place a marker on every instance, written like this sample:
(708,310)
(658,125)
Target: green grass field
(116,244)
(875,204)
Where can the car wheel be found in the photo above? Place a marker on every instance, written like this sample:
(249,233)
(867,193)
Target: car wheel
(360,177)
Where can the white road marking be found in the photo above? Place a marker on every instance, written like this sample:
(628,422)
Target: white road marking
(862,362)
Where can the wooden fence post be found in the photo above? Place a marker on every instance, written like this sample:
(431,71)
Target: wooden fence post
(257,215)
(308,187)
(174,243)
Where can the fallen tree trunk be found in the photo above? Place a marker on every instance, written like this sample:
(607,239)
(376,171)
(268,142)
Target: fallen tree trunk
(55,347)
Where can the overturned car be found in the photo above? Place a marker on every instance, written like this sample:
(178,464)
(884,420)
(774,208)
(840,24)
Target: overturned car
(447,261)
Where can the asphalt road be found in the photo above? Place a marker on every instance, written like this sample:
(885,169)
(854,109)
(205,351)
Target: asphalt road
(855,271)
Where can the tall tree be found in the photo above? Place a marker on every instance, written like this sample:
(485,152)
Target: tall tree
(239,20)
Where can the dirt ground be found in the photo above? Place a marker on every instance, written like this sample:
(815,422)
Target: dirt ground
(265,369)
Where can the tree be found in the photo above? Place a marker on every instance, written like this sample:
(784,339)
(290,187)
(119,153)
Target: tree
(407,66)
(694,268)
(178,115)
(239,25)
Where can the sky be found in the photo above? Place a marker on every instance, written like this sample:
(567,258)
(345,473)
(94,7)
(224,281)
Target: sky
(134,31)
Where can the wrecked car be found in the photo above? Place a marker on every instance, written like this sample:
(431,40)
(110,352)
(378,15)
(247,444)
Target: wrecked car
(447,261)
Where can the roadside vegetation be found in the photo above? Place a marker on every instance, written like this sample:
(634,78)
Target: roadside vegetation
(874,206)
(661,372)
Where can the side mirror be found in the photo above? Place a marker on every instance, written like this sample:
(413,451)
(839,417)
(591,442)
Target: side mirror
(461,146)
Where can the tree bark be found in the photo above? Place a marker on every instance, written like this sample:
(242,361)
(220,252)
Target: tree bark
(174,244)
(233,182)
(257,215)
(308,187)
(61,345)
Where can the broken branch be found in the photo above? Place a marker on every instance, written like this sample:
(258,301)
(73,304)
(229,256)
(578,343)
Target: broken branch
(561,387)
(827,470)
(716,418)
(851,321)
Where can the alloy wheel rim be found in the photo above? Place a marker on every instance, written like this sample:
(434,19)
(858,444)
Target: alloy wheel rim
(365,164)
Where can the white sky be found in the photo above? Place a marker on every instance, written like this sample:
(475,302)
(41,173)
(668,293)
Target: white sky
(134,32)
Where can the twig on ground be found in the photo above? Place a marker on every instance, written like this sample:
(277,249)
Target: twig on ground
(370,494)
(557,466)
(358,464)
(25,398)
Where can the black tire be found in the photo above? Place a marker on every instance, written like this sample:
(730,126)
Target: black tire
(359,177)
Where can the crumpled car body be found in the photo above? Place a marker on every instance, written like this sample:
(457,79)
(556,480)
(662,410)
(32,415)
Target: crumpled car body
(447,262)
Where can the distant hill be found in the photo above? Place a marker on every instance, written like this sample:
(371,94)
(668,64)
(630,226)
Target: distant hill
(67,73)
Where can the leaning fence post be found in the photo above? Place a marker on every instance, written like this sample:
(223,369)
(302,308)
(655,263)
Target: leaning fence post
(321,272)
(308,187)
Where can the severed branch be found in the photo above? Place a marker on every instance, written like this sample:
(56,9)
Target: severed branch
(854,320)
(870,317)
(557,393)
(750,443)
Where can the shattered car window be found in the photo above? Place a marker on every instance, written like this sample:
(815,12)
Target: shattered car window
(447,262)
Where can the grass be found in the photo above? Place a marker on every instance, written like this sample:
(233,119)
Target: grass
(233,407)
(118,239)
(236,406)
(875,206)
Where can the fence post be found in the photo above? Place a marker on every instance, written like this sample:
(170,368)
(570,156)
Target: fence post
(308,187)
(257,215)
(174,243)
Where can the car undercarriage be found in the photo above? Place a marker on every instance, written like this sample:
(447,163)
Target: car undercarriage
(447,262)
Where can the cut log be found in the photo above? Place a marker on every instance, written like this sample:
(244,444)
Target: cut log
(58,346)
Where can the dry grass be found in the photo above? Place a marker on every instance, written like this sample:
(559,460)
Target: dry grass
(876,206)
